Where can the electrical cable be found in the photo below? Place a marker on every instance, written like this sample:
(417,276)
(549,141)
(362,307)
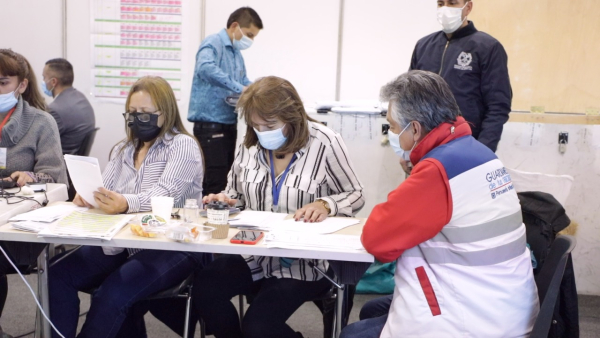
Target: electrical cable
(31,290)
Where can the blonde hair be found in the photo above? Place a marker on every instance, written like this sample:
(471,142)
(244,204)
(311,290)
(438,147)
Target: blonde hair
(164,100)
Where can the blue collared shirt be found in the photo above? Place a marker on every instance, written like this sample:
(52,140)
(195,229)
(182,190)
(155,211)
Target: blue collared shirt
(219,72)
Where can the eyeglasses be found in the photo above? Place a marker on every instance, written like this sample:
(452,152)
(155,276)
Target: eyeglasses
(142,117)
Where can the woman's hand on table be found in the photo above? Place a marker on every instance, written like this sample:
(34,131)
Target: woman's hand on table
(110,202)
(21,178)
(219,197)
(313,212)
(80,202)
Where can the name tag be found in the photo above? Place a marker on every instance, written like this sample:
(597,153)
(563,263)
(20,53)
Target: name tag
(2,158)
(218,135)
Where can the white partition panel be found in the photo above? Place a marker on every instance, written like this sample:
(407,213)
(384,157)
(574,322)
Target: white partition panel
(33,28)
(298,42)
(379,38)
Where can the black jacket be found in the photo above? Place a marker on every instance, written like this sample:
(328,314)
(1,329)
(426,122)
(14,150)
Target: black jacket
(544,217)
(474,64)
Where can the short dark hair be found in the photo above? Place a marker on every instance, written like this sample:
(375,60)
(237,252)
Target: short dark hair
(246,17)
(63,71)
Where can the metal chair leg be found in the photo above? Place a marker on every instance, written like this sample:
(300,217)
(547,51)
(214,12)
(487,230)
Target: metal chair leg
(339,304)
(202,328)
(241,309)
(188,308)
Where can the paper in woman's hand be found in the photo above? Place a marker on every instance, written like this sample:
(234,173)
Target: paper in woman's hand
(85,175)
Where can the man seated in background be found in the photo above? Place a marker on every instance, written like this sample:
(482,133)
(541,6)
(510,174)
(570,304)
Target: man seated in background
(71,109)
(454,227)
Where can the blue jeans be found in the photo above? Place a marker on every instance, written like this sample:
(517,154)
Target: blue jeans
(368,328)
(376,307)
(373,316)
(121,282)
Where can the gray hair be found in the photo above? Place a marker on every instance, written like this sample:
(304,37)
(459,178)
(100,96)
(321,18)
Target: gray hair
(420,96)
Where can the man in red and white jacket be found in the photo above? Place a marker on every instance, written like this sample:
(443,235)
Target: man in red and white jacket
(453,226)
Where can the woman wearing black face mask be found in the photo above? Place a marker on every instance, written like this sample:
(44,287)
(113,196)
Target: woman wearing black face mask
(157,158)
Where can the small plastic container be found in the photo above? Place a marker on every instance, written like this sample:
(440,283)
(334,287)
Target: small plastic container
(188,233)
(153,224)
(191,211)
(218,217)
(204,232)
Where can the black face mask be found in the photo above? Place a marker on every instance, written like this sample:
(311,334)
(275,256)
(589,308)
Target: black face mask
(145,131)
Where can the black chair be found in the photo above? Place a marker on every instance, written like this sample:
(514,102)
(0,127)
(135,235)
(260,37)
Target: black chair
(548,282)
(181,290)
(343,285)
(86,143)
(84,150)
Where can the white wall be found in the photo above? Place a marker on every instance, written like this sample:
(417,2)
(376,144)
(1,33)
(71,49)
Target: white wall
(39,37)
(298,42)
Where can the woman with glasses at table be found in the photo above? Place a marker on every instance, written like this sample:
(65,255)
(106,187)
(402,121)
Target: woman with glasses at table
(288,163)
(29,150)
(158,158)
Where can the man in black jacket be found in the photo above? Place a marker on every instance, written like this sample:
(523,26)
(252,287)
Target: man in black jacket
(475,66)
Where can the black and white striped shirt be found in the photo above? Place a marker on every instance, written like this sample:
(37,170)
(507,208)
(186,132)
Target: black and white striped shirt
(172,167)
(322,170)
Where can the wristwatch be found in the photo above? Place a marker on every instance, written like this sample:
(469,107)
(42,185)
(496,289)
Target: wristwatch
(325,205)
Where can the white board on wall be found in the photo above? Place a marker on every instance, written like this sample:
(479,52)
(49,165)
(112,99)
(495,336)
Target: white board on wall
(379,38)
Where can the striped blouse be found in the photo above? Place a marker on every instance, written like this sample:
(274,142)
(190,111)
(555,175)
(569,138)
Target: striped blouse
(322,170)
(172,167)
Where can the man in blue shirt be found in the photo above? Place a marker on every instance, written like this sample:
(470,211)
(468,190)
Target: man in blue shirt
(220,73)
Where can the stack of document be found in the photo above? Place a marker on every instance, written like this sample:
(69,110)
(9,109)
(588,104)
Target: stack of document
(297,240)
(38,219)
(272,221)
(87,225)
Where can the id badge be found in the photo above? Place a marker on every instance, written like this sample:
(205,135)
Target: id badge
(2,158)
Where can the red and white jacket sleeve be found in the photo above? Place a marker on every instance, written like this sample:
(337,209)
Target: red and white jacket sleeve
(414,212)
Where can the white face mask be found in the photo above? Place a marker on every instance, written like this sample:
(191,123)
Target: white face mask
(395,144)
(450,18)
(271,139)
(244,43)
(8,101)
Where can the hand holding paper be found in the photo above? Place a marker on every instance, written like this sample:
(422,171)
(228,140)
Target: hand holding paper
(85,175)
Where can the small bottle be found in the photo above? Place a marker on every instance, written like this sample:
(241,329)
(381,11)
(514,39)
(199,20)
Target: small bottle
(191,211)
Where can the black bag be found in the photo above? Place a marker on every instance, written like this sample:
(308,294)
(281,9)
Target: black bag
(544,217)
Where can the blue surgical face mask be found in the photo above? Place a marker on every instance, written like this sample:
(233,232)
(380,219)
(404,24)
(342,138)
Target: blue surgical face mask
(244,43)
(395,144)
(8,101)
(271,139)
(46,90)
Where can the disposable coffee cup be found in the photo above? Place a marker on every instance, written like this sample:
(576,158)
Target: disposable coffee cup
(218,217)
(162,206)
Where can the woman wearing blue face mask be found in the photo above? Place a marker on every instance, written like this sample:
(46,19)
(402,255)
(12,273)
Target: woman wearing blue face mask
(288,163)
(29,148)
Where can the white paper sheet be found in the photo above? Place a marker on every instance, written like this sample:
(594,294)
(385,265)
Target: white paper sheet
(47,214)
(328,226)
(87,225)
(297,240)
(85,175)
(261,219)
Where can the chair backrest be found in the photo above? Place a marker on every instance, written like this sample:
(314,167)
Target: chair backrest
(558,186)
(548,283)
(86,143)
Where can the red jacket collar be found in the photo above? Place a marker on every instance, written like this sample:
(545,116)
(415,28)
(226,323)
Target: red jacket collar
(442,134)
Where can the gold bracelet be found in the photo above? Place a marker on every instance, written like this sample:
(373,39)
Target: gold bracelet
(325,205)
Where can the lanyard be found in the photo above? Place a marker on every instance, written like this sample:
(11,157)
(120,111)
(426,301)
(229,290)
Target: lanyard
(5,120)
(277,187)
